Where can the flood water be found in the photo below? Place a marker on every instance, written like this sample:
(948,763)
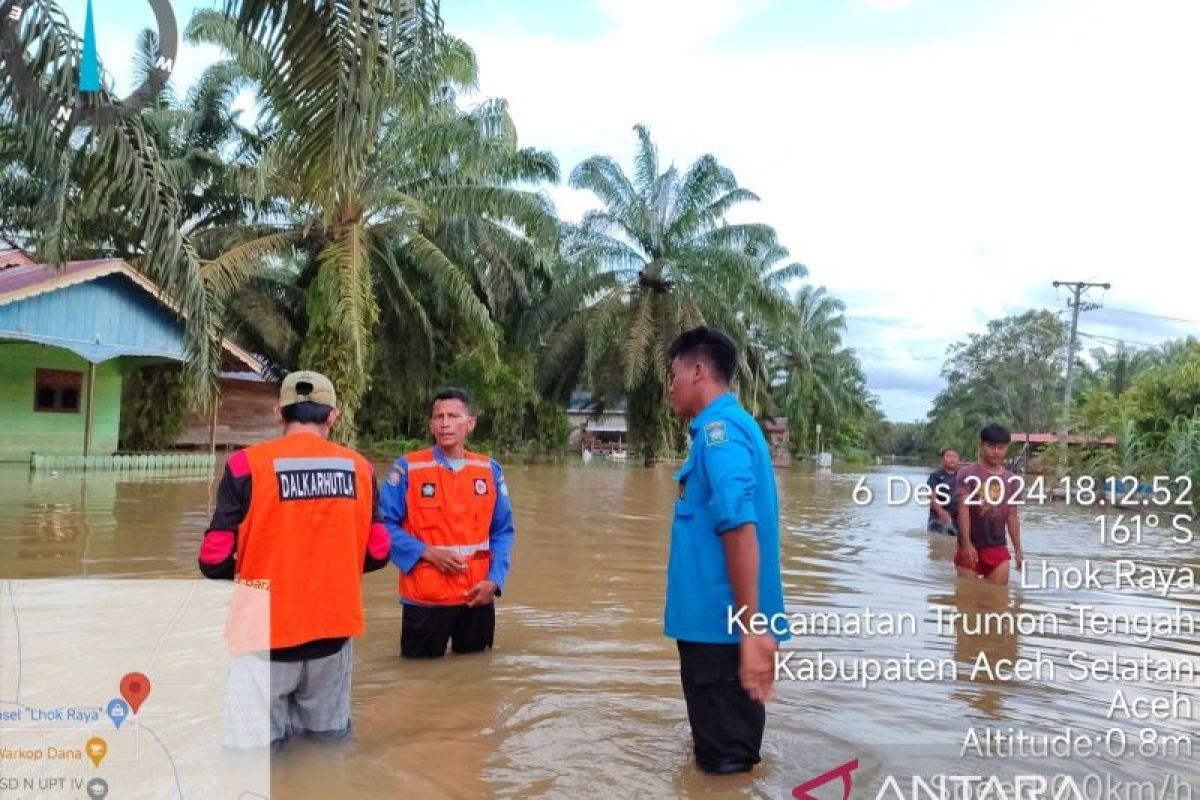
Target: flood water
(581,697)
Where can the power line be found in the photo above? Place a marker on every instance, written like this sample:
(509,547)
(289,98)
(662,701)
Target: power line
(1145,315)
(1117,340)
(925,326)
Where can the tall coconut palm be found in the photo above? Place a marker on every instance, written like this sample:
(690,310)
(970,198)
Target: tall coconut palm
(108,187)
(375,161)
(657,258)
(757,389)
(463,172)
(817,380)
(197,140)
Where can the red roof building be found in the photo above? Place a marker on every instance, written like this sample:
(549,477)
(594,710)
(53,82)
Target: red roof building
(1050,438)
(11,255)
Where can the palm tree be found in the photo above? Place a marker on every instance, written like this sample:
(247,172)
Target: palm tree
(380,170)
(658,258)
(1114,371)
(107,190)
(190,139)
(1174,351)
(463,171)
(758,389)
(817,380)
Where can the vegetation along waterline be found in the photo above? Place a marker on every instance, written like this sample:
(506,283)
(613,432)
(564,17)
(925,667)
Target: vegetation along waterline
(364,220)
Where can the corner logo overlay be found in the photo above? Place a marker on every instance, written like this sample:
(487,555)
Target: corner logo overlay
(26,24)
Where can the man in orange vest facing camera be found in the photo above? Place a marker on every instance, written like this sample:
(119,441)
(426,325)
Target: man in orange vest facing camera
(451,526)
(299,517)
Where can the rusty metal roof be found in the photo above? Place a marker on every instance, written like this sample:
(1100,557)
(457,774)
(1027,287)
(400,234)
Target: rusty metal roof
(25,278)
(1048,438)
(11,255)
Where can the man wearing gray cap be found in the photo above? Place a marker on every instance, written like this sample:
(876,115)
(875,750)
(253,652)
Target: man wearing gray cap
(299,517)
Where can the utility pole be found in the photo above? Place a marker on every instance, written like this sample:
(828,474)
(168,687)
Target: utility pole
(1076,305)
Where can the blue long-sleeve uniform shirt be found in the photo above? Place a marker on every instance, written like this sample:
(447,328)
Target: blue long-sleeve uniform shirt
(407,549)
(726,482)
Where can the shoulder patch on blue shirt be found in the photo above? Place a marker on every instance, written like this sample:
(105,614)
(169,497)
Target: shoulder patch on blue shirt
(498,474)
(715,433)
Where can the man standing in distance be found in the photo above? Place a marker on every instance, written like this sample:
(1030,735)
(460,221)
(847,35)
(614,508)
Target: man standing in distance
(299,517)
(724,556)
(451,525)
(943,507)
(988,497)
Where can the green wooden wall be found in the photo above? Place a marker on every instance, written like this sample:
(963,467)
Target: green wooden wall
(23,430)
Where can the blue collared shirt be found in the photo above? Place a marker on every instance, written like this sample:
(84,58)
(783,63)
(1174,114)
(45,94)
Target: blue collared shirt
(727,481)
(407,549)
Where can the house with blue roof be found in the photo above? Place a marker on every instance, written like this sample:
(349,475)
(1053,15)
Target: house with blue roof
(68,337)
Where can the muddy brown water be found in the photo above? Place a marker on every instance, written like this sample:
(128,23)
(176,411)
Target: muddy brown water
(580,697)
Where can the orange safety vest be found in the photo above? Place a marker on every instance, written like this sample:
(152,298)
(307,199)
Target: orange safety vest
(453,510)
(304,537)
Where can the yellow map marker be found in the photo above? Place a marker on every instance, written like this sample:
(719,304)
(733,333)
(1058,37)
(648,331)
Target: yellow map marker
(97,749)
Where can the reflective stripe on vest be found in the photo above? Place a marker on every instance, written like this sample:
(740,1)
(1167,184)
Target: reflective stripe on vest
(469,462)
(451,510)
(468,550)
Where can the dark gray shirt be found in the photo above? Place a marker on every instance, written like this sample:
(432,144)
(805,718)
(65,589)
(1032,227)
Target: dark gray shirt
(941,477)
(988,496)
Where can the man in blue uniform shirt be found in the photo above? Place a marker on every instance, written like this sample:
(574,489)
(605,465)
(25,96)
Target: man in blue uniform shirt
(724,556)
(452,532)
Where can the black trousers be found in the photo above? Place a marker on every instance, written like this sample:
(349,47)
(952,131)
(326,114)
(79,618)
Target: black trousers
(727,725)
(426,630)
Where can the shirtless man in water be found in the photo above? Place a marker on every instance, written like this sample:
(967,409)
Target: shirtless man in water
(987,513)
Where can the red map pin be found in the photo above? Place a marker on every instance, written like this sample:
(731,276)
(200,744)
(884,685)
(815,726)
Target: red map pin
(135,688)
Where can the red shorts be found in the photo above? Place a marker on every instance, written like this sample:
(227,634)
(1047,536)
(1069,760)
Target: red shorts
(989,559)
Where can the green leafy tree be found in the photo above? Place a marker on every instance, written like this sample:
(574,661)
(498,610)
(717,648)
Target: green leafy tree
(1158,419)
(1169,389)
(1012,374)
(154,406)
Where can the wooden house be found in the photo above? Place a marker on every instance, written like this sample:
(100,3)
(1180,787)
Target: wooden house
(68,336)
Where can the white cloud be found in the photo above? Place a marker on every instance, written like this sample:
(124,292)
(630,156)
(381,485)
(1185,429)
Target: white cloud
(673,24)
(887,5)
(937,186)
(944,184)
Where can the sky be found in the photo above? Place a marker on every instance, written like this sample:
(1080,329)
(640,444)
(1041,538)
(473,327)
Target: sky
(934,163)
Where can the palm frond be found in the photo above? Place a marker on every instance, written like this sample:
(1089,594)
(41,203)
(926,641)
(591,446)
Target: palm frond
(645,161)
(235,266)
(603,177)
(638,351)
(452,284)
